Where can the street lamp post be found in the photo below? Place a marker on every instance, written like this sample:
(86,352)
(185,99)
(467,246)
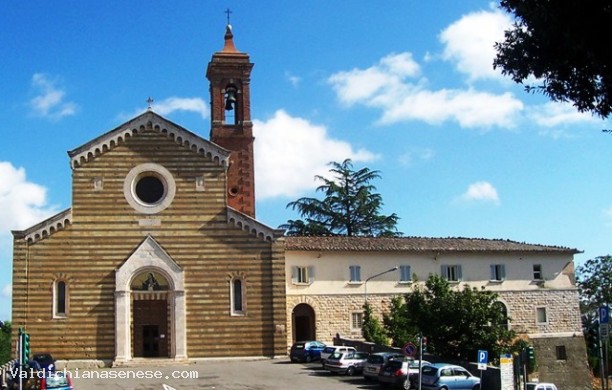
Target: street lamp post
(365,284)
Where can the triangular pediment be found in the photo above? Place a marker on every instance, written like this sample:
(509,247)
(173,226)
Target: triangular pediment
(149,255)
(148,121)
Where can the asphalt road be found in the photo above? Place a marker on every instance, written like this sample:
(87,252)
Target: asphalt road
(267,374)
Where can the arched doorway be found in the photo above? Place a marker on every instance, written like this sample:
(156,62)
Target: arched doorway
(150,315)
(149,303)
(303,320)
(504,323)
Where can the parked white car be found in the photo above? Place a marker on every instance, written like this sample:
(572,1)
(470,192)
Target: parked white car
(541,386)
(329,350)
(349,363)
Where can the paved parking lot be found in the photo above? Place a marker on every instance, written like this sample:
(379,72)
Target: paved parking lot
(221,375)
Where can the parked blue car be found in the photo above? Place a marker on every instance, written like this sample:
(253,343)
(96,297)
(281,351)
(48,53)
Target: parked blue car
(448,376)
(306,351)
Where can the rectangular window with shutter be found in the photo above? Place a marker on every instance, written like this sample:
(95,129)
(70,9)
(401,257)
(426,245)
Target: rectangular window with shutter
(498,272)
(452,273)
(302,275)
(405,275)
(355,274)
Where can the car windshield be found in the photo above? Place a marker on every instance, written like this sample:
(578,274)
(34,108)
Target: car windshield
(56,381)
(395,364)
(376,359)
(336,355)
(299,346)
(329,350)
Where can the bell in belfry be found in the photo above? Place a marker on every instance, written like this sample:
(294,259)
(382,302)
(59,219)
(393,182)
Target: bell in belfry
(230,97)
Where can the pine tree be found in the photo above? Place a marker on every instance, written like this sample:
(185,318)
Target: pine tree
(350,207)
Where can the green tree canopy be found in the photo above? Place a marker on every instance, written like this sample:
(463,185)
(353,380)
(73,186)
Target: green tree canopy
(458,323)
(397,324)
(564,46)
(371,329)
(5,342)
(594,280)
(350,207)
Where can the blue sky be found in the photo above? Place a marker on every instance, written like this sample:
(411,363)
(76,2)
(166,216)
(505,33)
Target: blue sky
(403,87)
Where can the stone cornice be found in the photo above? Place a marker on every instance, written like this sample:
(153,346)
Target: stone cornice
(252,226)
(147,121)
(45,228)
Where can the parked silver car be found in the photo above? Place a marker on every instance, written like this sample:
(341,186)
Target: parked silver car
(329,350)
(349,363)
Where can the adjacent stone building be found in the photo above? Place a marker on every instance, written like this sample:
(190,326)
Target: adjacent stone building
(330,278)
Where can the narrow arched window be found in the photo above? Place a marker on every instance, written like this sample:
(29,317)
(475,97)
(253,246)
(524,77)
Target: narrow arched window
(60,299)
(237,297)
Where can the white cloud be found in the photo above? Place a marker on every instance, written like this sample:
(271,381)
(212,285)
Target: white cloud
(556,114)
(414,155)
(357,85)
(50,100)
(22,203)
(481,191)
(385,86)
(172,104)
(290,151)
(469,42)
(7,291)
(469,108)
(293,80)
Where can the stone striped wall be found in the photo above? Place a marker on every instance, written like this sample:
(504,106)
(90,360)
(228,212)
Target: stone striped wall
(193,230)
(333,312)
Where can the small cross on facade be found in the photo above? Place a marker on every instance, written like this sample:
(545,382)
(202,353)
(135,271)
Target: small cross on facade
(228,13)
(149,103)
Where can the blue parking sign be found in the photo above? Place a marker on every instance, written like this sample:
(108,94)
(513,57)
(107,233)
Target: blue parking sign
(604,315)
(483,357)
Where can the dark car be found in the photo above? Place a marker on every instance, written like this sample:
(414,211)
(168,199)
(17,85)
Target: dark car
(376,361)
(44,361)
(306,351)
(401,372)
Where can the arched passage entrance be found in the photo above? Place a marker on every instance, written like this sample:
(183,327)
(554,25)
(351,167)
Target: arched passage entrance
(150,315)
(303,322)
(150,280)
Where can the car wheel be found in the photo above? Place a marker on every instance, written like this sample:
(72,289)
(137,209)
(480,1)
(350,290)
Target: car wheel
(308,359)
(350,371)
(476,387)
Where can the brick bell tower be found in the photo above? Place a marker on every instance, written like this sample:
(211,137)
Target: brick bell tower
(229,73)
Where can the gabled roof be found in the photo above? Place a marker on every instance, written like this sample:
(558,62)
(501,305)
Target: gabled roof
(63,219)
(251,225)
(150,121)
(417,244)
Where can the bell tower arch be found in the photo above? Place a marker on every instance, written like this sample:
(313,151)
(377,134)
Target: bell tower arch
(229,74)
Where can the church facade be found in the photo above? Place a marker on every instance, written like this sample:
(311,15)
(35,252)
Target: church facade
(160,254)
